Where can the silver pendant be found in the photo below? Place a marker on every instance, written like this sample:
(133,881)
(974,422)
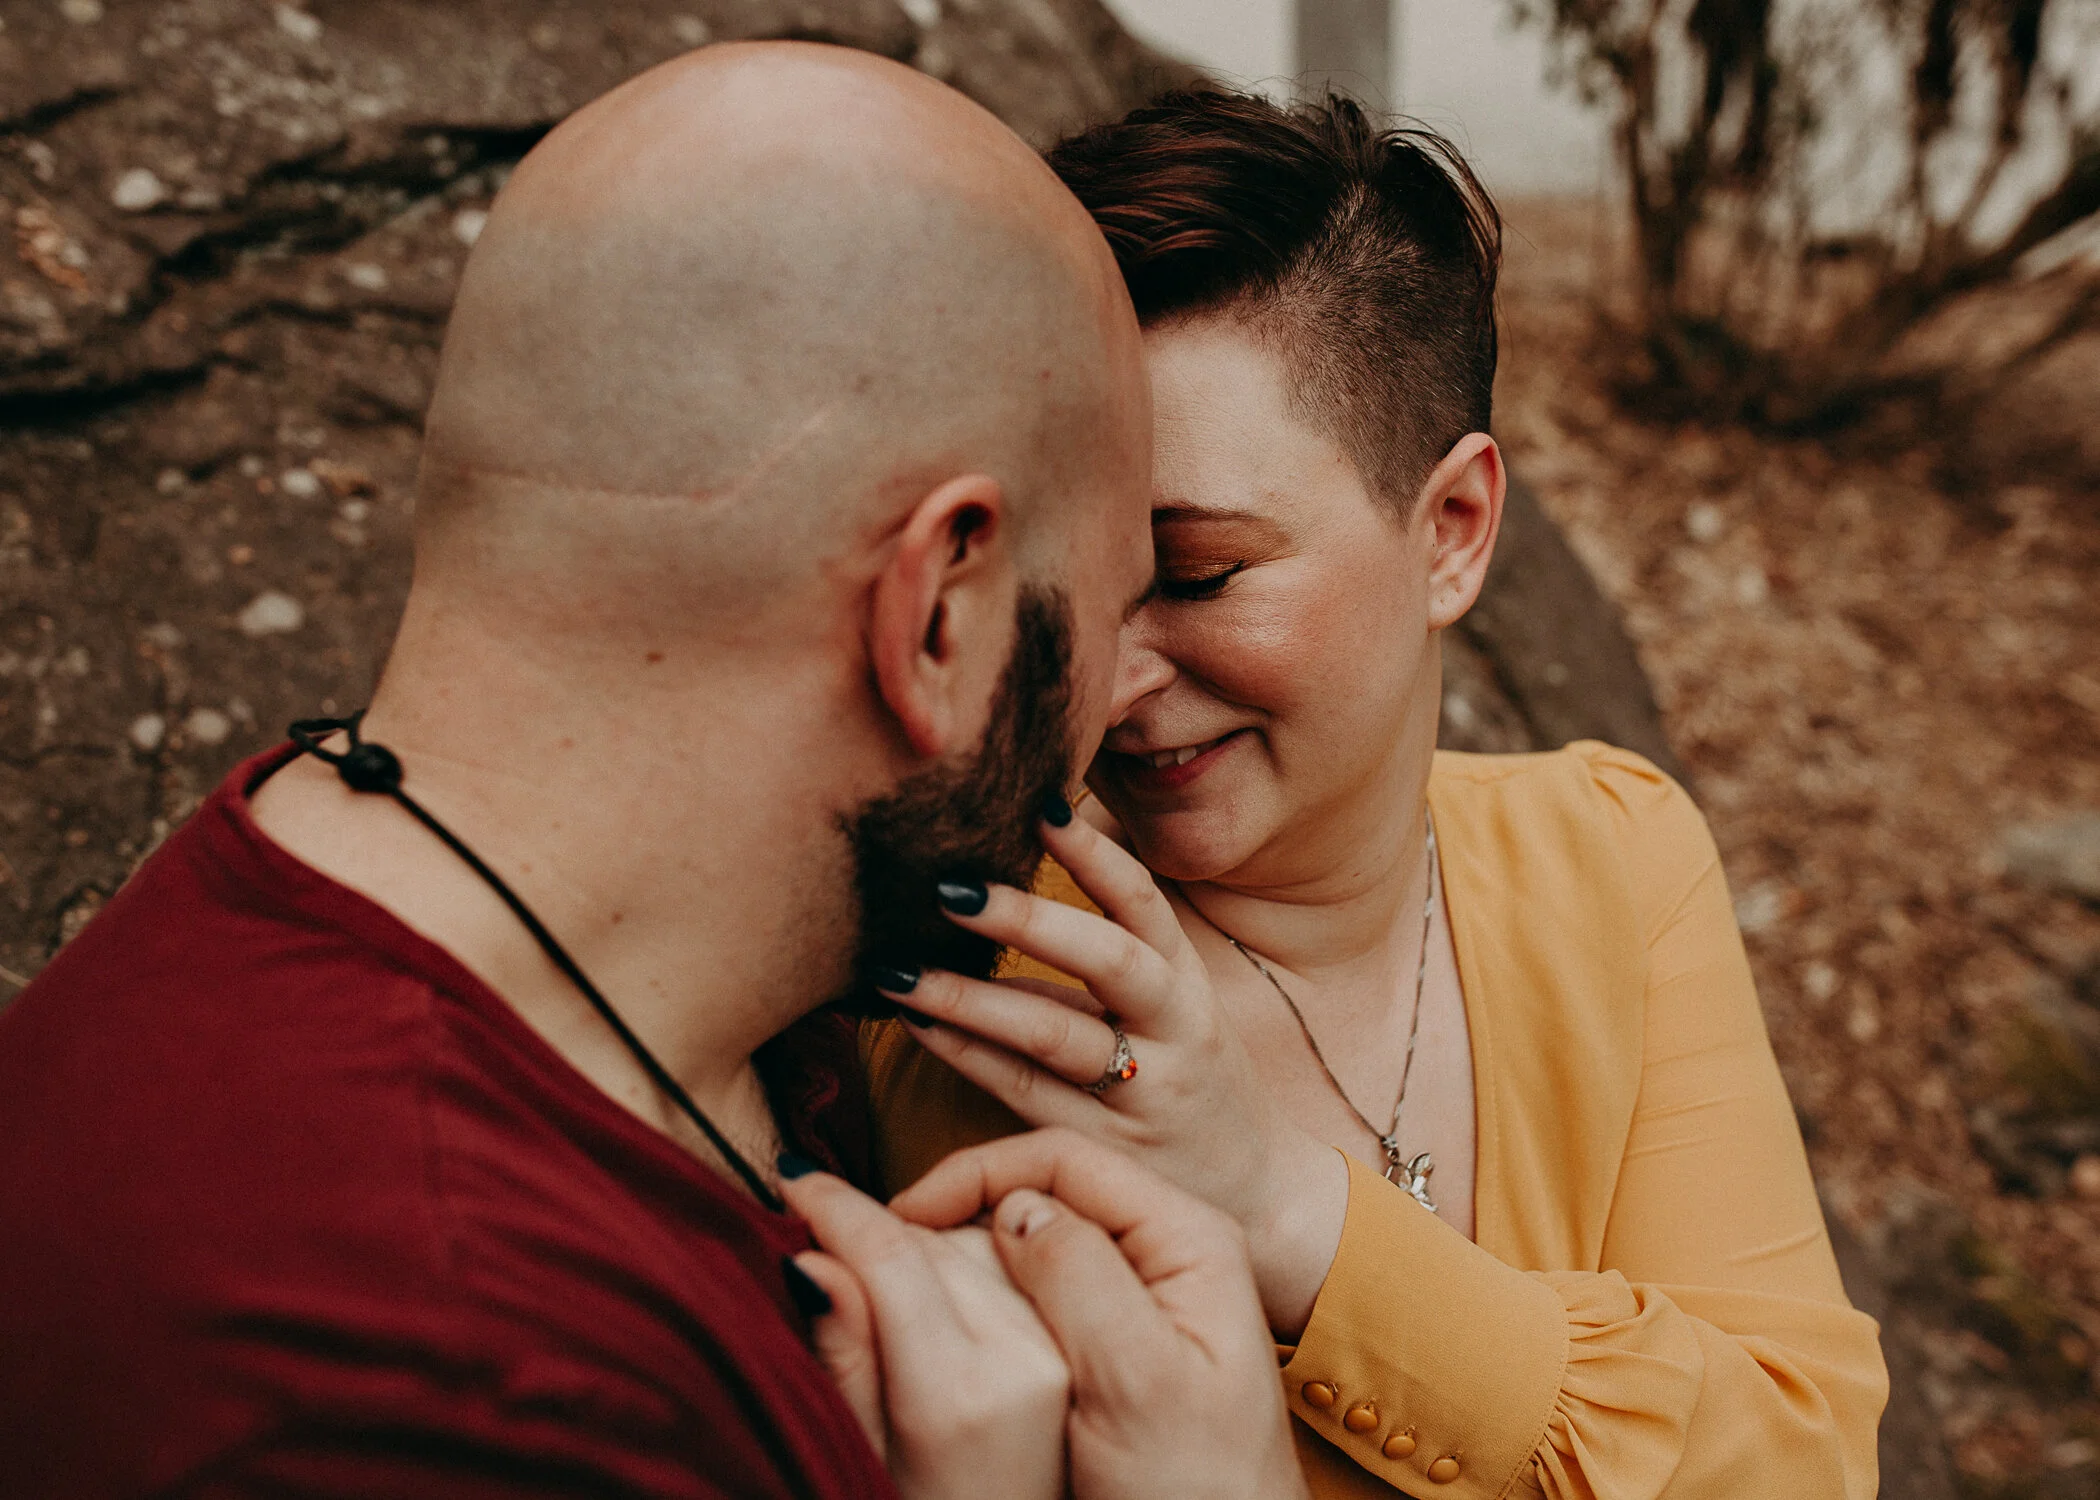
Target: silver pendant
(1411,1175)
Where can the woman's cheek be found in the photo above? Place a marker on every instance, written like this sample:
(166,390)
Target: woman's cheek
(1281,652)
(1256,648)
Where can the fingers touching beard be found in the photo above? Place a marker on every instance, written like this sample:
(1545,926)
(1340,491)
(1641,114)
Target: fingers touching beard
(976,820)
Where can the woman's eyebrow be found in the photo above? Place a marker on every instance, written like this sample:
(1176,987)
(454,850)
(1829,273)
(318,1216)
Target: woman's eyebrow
(1182,512)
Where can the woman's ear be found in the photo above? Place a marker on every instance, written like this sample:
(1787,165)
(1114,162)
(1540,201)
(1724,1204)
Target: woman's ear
(1461,504)
(941,625)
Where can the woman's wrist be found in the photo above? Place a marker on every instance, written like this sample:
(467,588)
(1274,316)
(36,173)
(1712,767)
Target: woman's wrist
(1293,1238)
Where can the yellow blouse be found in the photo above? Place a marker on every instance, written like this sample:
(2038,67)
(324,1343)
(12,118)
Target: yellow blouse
(1650,1306)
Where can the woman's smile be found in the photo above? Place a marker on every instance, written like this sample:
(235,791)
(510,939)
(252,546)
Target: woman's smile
(1170,768)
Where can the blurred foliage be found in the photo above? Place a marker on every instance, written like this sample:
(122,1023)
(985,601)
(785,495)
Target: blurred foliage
(1809,183)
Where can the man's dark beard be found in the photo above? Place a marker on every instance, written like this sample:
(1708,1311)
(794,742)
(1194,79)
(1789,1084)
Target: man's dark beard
(976,821)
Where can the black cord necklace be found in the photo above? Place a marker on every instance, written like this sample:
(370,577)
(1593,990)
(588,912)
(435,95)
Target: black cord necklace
(366,767)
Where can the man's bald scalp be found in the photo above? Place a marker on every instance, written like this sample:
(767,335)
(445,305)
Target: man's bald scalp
(754,298)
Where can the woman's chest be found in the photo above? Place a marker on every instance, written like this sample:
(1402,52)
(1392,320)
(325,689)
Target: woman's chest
(1339,1065)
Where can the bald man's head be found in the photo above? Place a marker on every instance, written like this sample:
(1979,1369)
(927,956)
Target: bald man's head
(751,305)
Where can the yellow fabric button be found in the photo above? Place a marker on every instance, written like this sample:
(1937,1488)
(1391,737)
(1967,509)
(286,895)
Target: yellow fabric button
(1361,1418)
(1444,1470)
(1318,1393)
(1401,1444)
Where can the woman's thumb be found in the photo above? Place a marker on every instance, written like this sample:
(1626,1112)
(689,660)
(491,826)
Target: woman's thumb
(1083,1289)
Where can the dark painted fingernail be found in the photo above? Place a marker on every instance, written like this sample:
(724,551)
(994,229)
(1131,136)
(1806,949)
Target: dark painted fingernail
(811,1299)
(892,980)
(792,1166)
(966,898)
(916,1017)
(1056,811)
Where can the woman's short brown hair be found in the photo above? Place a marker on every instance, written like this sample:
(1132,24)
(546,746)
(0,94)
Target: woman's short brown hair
(1369,255)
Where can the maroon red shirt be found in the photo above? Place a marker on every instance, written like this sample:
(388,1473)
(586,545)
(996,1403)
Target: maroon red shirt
(292,1204)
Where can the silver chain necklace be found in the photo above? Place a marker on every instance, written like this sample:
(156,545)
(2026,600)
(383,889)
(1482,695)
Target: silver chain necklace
(1411,1173)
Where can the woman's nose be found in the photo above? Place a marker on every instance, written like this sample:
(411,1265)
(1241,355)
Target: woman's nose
(1142,669)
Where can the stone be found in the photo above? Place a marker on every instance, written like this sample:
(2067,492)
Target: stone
(138,190)
(2059,854)
(1556,645)
(2050,1048)
(1916,1245)
(206,726)
(77,913)
(2034,1106)
(271,613)
(2085,1176)
(1479,715)
(1863,1020)
(1911,1258)
(297,24)
(341,478)
(1759,907)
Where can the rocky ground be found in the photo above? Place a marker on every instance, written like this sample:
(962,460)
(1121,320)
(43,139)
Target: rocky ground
(1873,682)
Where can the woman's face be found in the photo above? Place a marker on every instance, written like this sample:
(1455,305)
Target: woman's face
(1282,671)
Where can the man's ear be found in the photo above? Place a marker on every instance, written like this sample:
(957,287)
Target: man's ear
(941,626)
(1462,505)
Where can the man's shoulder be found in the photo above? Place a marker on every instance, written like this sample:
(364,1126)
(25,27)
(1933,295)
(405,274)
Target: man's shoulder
(256,1164)
(190,986)
(206,1068)
(209,1082)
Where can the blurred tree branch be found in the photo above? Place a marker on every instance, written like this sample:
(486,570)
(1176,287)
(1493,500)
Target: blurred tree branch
(1727,114)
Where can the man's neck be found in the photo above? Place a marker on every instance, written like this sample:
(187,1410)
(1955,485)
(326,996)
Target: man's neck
(683,868)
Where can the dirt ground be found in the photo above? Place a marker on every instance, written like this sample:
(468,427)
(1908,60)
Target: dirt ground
(1868,680)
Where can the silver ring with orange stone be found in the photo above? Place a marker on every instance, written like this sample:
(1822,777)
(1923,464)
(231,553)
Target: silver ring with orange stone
(1122,1067)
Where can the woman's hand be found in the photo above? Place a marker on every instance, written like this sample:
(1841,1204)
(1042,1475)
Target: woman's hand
(1147,1290)
(957,1383)
(1196,1112)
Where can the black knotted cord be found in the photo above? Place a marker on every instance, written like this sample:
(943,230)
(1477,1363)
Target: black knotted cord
(366,767)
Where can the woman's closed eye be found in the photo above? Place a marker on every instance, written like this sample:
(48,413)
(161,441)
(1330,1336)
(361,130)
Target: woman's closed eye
(1188,585)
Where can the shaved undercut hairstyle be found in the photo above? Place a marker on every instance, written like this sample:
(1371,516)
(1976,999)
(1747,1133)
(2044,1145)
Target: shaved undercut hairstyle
(1367,255)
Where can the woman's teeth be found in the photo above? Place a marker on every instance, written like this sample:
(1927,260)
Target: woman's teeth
(1179,757)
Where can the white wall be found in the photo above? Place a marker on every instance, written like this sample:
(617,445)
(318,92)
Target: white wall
(1461,67)
(1242,42)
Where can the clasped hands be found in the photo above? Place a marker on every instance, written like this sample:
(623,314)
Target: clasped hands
(1145,1245)
(1042,1316)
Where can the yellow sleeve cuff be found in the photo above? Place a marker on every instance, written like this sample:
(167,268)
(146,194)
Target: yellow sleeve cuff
(1426,1360)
